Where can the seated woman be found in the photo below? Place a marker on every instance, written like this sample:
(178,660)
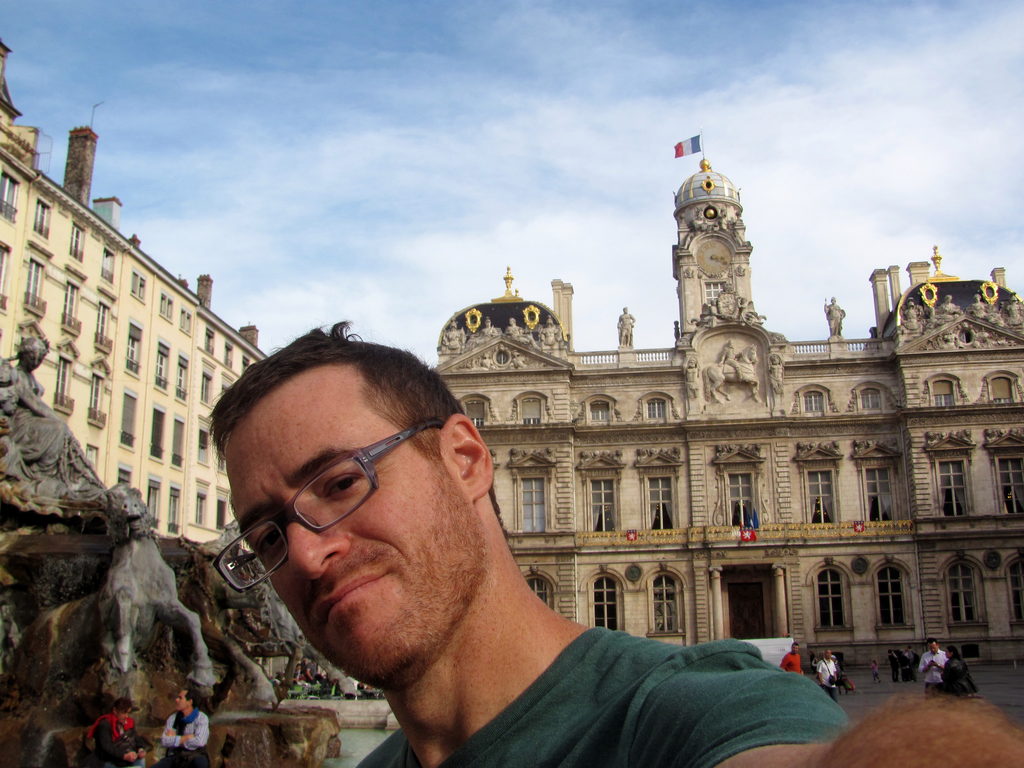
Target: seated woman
(117,744)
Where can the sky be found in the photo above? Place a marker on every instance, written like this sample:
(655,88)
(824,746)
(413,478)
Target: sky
(384,162)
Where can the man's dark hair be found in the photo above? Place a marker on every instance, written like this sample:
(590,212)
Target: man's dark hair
(122,704)
(397,384)
(930,640)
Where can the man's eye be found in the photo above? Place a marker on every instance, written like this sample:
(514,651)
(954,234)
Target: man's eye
(339,485)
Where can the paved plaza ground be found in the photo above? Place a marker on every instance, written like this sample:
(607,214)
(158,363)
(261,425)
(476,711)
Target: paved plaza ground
(1000,684)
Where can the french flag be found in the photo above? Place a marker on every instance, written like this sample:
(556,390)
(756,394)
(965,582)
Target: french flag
(688,147)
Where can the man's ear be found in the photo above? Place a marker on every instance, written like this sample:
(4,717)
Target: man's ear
(467,456)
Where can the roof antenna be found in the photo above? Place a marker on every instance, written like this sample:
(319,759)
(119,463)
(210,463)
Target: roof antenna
(92,117)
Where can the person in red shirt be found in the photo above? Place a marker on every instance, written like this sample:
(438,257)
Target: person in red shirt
(791,661)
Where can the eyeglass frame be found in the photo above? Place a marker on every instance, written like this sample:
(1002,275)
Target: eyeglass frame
(366,457)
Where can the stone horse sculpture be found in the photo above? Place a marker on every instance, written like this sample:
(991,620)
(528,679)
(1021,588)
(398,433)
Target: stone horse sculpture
(732,368)
(141,589)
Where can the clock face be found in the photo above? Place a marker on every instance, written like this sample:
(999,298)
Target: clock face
(714,257)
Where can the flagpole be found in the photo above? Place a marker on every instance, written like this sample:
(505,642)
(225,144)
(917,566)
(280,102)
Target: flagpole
(702,155)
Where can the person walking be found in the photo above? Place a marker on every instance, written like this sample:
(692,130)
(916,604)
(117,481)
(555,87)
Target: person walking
(894,665)
(791,661)
(956,677)
(828,674)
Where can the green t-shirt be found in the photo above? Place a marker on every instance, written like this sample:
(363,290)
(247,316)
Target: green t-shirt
(611,699)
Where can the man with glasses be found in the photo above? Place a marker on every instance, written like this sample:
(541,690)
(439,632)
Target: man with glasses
(364,494)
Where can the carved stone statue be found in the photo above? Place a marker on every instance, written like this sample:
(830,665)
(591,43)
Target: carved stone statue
(732,368)
(1014,314)
(692,374)
(550,335)
(42,454)
(834,314)
(776,372)
(489,329)
(626,323)
(454,339)
(141,590)
(912,317)
(946,311)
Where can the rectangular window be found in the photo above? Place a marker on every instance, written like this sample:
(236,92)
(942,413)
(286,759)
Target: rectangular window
(712,291)
(102,323)
(166,306)
(34,286)
(475,412)
(77,248)
(153,499)
(531,410)
(534,517)
(163,356)
(246,362)
(128,420)
(156,439)
(185,321)
(961,593)
(879,494)
(61,392)
(830,598)
(107,265)
(124,475)
(70,316)
(96,395)
(5,258)
(201,508)
(41,222)
(209,340)
(222,512)
(177,442)
(870,400)
(173,502)
(205,386)
(204,445)
(942,394)
(819,492)
(741,499)
(8,197)
(659,491)
(134,348)
(92,455)
(229,354)
(181,382)
(953,488)
(1011,481)
(600,412)
(656,409)
(890,596)
(602,504)
(138,287)
(814,402)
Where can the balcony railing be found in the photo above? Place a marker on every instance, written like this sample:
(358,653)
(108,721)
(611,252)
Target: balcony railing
(63,403)
(8,211)
(3,301)
(107,274)
(97,418)
(127,438)
(181,393)
(70,324)
(156,451)
(35,304)
(104,343)
(160,381)
(172,527)
(132,365)
(176,459)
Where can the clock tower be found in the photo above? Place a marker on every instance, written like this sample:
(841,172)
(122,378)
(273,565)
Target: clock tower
(712,256)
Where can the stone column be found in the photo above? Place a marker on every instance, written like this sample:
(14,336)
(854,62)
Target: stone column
(781,619)
(717,626)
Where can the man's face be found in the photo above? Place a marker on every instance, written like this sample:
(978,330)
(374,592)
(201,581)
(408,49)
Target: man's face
(381,592)
(828,654)
(181,702)
(933,647)
(794,648)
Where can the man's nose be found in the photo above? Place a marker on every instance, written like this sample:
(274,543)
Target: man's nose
(311,552)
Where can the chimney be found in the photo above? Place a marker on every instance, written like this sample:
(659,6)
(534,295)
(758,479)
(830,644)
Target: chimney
(78,169)
(251,334)
(880,288)
(999,276)
(183,282)
(204,290)
(108,209)
(918,271)
(562,295)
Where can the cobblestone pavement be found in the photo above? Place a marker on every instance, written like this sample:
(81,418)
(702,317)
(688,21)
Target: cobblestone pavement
(1000,684)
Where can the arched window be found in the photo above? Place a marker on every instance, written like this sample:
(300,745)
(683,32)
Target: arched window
(870,399)
(1017,590)
(890,596)
(962,599)
(606,603)
(830,598)
(541,588)
(814,402)
(656,409)
(665,596)
(1000,390)
(942,393)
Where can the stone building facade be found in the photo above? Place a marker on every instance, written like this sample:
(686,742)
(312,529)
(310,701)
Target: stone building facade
(857,494)
(136,356)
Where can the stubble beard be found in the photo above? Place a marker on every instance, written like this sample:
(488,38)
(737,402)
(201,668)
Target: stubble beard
(439,590)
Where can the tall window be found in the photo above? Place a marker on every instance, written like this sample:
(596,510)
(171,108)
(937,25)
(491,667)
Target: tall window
(222,512)
(128,420)
(70,315)
(659,491)
(173,503)
(96,396)
(102,323)
(656,409)
(107,265)
(229,353)
(879,493)
(138,287)
(181,382)
(61,395)
(475,410)
(962,600)
(870,399)
(156,441)
(890,596)
(814,402)
(8,197)
(602,504)
(166,306)
(1000,390)
(5,258)
(1011,482)
(77,247)
(205,386)
(741,498)
(600,412)
(830,598)
(34,285)
(533,504)
(185,321)
(606,603)
(953,488)
(41,222)
(200,507)
(177,442)
(202,450)
(665,597)
(163,355)
(153,498)
(541,588)
(819,492)
(942,394)
(134,348)
(1017,590)
(531,410)
(208,342)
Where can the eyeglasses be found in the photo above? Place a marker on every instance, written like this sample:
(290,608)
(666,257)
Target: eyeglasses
(333,494)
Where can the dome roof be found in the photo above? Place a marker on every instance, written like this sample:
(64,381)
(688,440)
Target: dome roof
(706,184)
(978,298)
